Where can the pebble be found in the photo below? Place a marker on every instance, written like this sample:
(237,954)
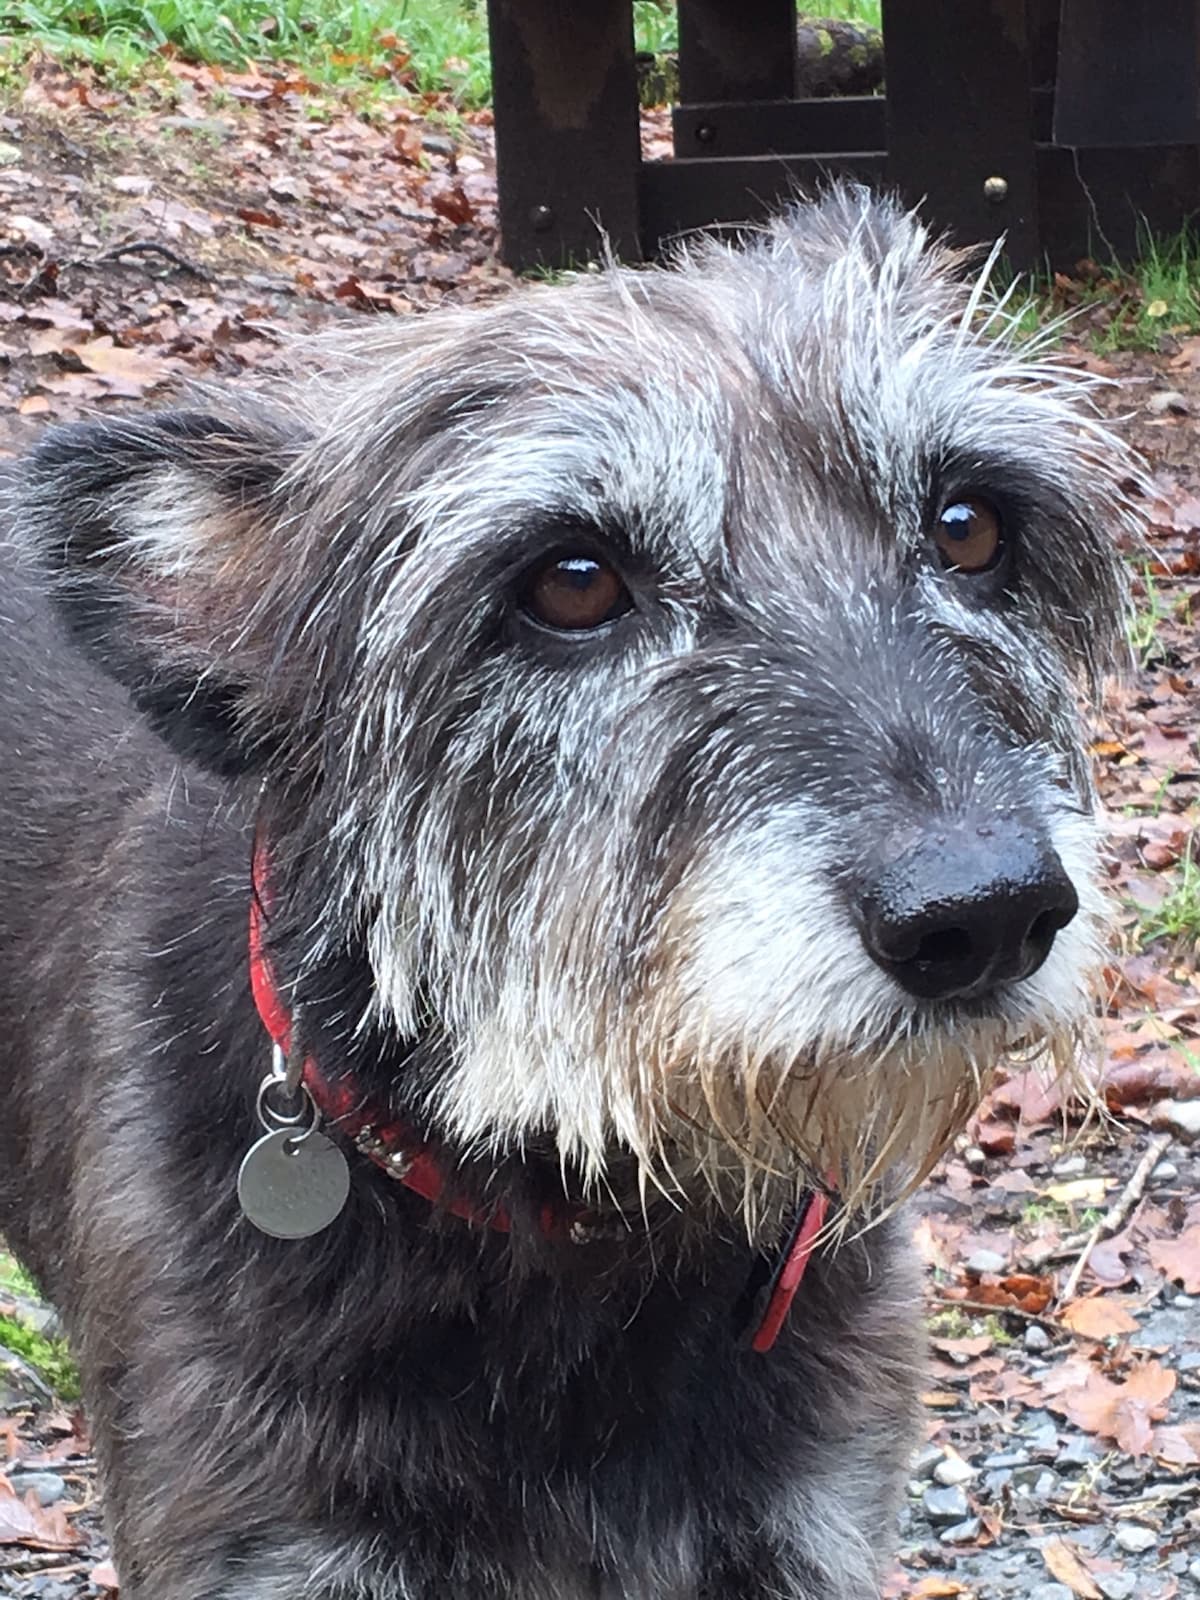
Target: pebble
(1181,1116)
(1037,1339)
(1133,1538)
(437,144)
(925,1462)
(944,1506)
(982,1261)
(965,1532)
(1183,1301)
(974,1159)
(1194,1571)
(1165,1172)
(1116,1585)
(1050,1591)
(1044,1441)
(1078,1451)
(995,1482)
(1070,1167)
(953,1471)
(47,1486)
(1167,400)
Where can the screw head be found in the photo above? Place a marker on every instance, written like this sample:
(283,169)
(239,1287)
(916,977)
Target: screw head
(541,219)
(706,133)
(995,190)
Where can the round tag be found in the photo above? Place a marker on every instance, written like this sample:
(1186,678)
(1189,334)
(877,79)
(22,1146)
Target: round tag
(292,1186)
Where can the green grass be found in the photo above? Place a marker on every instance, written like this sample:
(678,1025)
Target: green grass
(1177,916)
(1143,627)
(1159,294)
(434,46)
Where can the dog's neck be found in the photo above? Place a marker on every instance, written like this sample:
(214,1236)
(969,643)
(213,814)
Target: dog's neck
(398,1149)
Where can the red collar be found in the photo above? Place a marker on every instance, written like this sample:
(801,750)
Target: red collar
(399,1151)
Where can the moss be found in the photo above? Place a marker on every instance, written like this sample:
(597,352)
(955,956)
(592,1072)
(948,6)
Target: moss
(49,1358)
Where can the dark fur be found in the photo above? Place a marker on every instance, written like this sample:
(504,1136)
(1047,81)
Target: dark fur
(406,1407)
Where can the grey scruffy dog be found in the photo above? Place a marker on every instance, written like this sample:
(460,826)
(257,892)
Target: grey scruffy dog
(651,704)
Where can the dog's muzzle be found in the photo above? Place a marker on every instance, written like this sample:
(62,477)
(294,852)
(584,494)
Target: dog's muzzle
(974,905)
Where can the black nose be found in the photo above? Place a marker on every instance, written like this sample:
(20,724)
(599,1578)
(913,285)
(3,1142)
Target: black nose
(966,909)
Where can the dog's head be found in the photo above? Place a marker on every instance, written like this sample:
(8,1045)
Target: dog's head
(666,680)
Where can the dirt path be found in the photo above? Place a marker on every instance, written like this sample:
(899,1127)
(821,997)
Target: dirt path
(188,234)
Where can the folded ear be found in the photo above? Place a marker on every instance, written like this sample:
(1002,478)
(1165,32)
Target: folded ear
(162,537)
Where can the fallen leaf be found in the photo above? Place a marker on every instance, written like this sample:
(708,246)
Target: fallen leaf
(1098,1318)
(1064,1562)
(1179,1258)
(24,1522)
(1120,1411)
(1079,1191)
(1178,1446)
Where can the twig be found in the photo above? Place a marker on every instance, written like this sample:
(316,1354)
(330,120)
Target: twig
(1116,1214)
(144,247)
(994,1310)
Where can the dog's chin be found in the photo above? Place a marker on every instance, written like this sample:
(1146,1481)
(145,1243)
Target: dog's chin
(754,1129)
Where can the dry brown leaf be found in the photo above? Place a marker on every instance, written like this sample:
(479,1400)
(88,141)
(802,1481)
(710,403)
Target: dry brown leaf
(1121,1411)
(1177,1446)
(935,1588)
(1064,1562)
(24,1522)
(1079,1191)
(1098,1318)
(126,372)
(1179,1258)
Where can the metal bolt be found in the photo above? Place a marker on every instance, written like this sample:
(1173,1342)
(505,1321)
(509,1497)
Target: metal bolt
(706,133)
(996,190)
(541,219)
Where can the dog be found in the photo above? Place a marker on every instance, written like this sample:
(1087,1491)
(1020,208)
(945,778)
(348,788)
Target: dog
(522,847)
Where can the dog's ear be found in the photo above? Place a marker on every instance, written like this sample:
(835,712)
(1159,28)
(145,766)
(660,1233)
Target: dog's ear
(163,538)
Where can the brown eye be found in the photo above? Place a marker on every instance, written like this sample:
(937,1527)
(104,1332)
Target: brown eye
(576,594)
(968,536)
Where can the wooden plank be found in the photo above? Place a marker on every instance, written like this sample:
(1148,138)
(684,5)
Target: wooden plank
(740,51)
(960,124)
(780,127)
(565,101)
(681,197)
(1098,203)
(1127,74)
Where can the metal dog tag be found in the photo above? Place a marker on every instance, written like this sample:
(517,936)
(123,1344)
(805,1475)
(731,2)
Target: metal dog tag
(292,1185)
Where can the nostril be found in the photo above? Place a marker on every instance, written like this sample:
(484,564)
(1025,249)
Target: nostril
(944,946)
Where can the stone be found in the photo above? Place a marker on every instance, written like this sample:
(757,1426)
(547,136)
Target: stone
(945,1506)
(953,1471)
(974,1159)
(982,1261)
(1070,1167)
(1134,1538)
(1167,400)
(1050,1591)
(47,1486)
(1079,1451)
(1044,1441)
(1164,1172)
(924,1462)
(995,1482)
(1180,1116)
(1194,1570)
(965,1532)
(1116,1585)
(1037,1339)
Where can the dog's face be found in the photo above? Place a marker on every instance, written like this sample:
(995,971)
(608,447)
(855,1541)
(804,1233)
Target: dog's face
(669,678)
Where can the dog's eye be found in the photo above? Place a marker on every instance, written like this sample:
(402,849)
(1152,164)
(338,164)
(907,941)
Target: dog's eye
(968,536)
(576,594)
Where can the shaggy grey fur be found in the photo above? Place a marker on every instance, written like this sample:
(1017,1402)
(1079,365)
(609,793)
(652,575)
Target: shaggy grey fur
(677,917)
